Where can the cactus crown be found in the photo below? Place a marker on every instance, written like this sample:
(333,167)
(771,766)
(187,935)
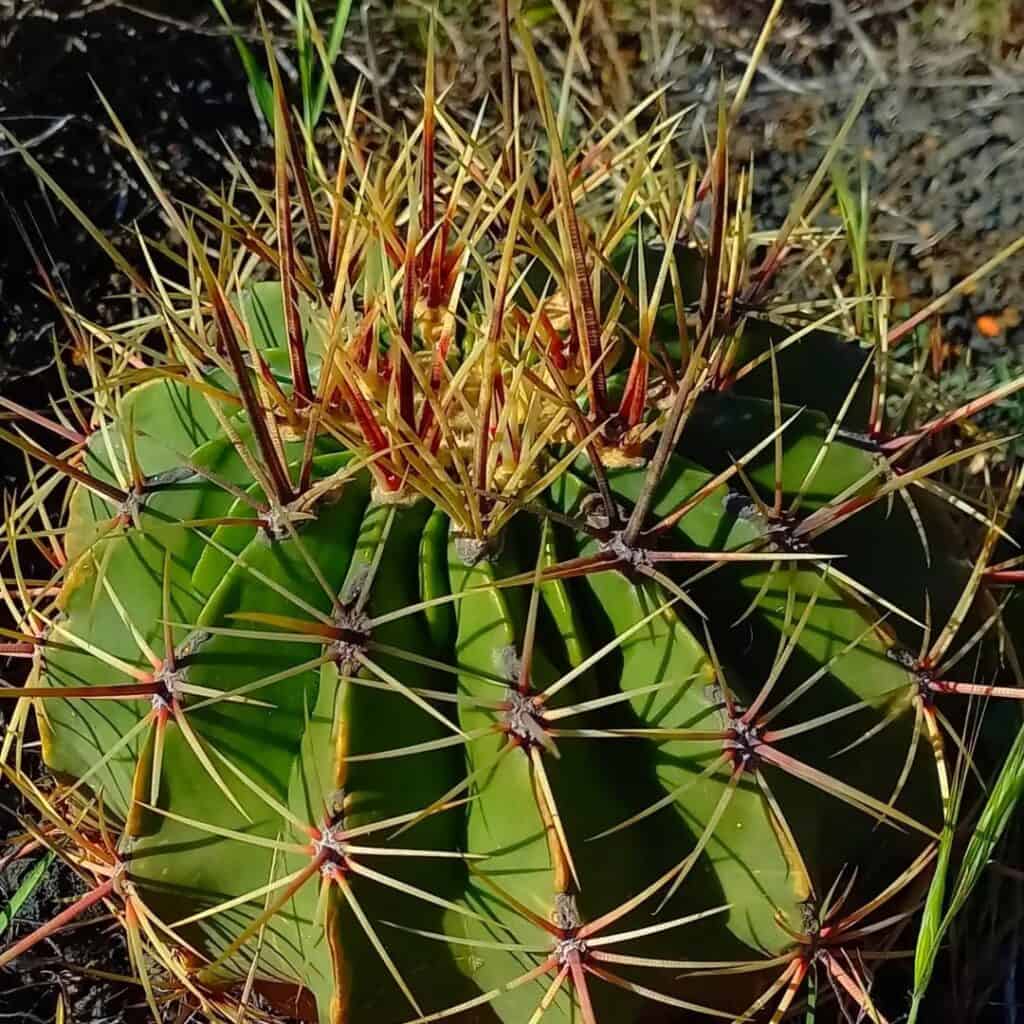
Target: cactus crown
(481,592)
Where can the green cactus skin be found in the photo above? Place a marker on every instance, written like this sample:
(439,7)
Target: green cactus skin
(664,653)
(593,789)
(297,751)
(398,716)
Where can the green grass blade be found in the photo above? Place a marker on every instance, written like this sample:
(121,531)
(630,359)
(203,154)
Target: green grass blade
(304,52)
(995,816)
(258,81)
(334,41)
(929,938)
(32,880)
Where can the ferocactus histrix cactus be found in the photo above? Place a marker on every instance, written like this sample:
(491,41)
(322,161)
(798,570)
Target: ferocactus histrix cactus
(481,597)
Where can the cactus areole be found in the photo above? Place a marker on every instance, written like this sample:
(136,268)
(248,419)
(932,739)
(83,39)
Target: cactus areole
(473,601)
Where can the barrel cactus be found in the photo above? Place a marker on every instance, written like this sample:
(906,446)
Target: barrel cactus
(480,594)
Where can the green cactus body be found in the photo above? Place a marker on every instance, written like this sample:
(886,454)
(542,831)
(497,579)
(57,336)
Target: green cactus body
(505,823)
(254,741)
(664,653)
(799,369)
(357,714)
(434,583)
(307,748)
(844,651)
(368,701)
(724,425)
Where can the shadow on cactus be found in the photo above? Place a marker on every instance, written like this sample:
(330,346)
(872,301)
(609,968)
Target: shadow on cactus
(484,594)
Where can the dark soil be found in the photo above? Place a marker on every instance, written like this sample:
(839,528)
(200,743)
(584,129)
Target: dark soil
(181,97)
(943,137)
(62,968)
